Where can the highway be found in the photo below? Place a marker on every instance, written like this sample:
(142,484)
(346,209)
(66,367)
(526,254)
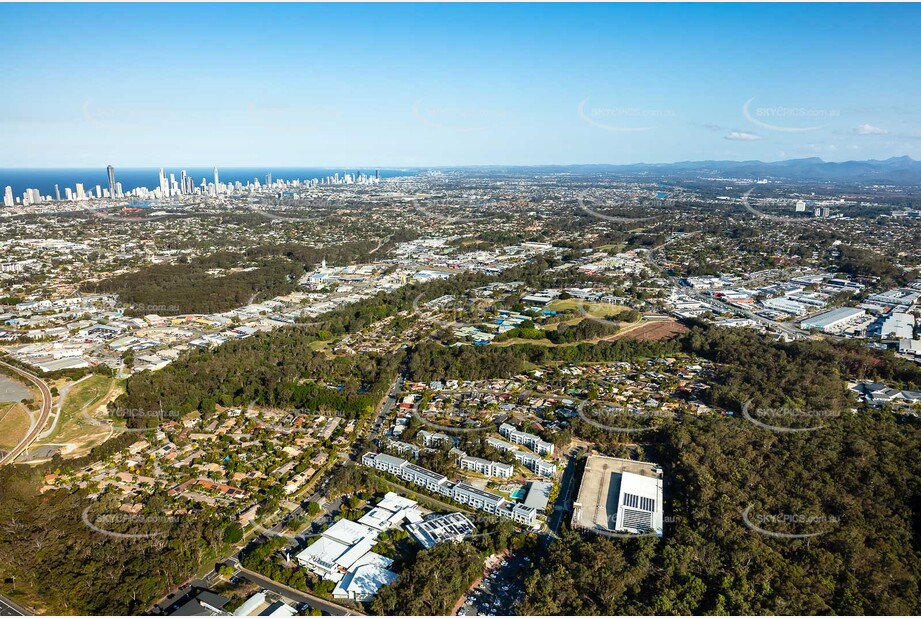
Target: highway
(42,419)
(8,608)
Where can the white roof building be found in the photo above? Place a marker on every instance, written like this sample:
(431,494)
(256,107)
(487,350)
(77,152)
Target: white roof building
(341,546)
(390,512)
(639,505)
(898,325)
(258,605)
(366,577)
(619,496)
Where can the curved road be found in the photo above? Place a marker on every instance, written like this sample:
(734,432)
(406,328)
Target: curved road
(42,419)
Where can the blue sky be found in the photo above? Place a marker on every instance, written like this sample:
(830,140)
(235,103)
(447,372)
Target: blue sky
(440,85)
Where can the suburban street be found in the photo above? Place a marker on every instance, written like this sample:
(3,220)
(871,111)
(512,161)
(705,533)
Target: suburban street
(42,417)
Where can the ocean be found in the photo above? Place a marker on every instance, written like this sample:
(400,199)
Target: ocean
(44,179)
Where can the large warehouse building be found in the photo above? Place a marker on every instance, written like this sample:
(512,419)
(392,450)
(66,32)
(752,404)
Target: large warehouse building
(619,496)
(833,320)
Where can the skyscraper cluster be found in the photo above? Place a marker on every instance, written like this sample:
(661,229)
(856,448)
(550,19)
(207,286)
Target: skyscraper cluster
(168,187)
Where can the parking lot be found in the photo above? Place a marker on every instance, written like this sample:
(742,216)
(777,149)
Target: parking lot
(499,590)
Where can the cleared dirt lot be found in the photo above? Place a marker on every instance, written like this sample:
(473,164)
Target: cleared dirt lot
(653,331)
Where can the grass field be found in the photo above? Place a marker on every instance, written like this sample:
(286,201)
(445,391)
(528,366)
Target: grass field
(599,310)
(14,423)
(73,428)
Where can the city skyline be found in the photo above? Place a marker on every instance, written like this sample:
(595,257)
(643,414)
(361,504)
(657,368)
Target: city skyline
(167,186)
(456,85)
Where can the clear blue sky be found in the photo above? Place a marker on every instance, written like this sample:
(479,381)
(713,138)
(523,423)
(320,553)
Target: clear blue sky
(431,85)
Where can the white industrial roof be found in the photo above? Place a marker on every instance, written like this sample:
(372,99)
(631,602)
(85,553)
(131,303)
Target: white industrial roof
(258,605)
(639,495)
(349,532)
(394,502)
(250,605)
(377,518)
(324,552)
(356,552)
(364,581)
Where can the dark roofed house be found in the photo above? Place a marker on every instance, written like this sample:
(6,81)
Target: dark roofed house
(205,603)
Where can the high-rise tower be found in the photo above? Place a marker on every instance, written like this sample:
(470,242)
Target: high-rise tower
(164,187)
(110,171)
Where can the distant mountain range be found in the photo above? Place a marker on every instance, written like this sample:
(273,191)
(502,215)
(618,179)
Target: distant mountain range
(895,170)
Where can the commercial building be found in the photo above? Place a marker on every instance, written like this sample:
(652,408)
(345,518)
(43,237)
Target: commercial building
(619,496)
(901,297)
(785,305)
(391,512)
(911,347)
(260,605)
(338,549)
(343,555)
(343,552)
(897,325)
(834,320)
(365,578)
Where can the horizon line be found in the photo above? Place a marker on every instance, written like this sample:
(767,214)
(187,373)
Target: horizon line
(453,166)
